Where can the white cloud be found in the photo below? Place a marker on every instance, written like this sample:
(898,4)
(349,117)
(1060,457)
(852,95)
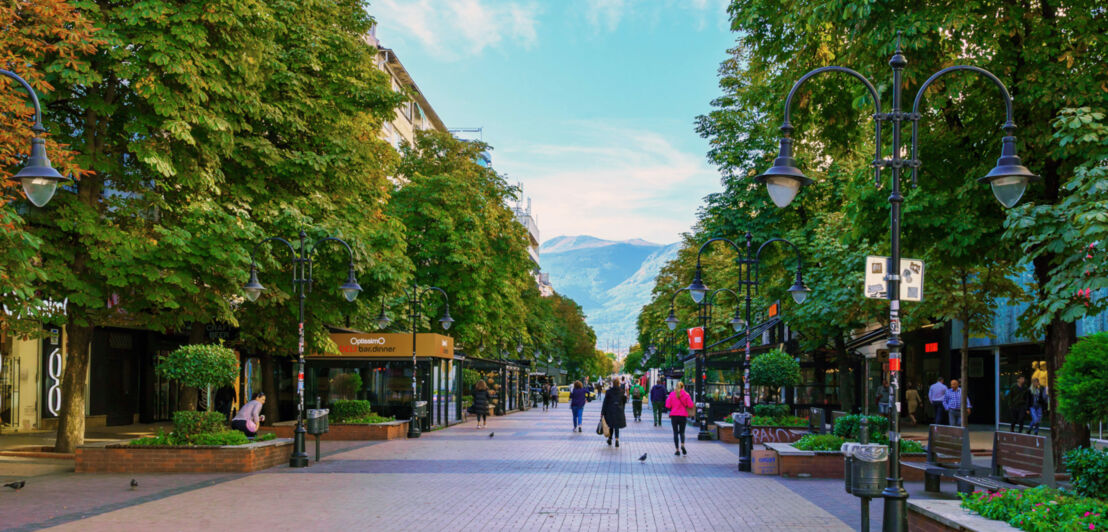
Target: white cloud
(606,15)
(611,183)
(451,29)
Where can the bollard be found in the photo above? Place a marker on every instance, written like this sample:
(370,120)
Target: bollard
(742,427)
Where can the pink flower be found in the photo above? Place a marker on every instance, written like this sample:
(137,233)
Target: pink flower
(1092,526)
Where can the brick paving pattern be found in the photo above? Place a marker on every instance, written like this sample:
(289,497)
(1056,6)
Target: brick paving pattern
(533,475)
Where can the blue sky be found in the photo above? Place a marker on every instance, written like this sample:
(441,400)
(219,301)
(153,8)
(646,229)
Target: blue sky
(590,104)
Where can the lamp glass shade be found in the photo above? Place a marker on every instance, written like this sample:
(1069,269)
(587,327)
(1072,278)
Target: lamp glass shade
(782,189)
(519,348)
(39,190)
(253,288)
(671,321)
(446,321)
(737,323)
(799,292)
(697,289)
(382,320)
(1009,189)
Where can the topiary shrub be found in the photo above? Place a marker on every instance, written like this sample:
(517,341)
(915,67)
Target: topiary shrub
(847,427)
(186,425)
(774,370)
(1089,470)
(1082,395)
(347,409)
(226,437)
(346,385)
(200,366)
(819,442)
(771,410)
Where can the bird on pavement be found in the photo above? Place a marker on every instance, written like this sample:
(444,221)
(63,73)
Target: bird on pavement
(134,484)
(16,485)
(643,457)
(491,434)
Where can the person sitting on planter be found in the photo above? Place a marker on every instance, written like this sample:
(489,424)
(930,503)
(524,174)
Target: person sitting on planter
(250,417)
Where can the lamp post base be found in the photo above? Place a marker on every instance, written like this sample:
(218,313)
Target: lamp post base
(896,508)
(299,454)
(704,435)
(413,429)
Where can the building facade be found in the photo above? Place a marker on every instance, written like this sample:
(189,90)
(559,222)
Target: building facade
(414,115)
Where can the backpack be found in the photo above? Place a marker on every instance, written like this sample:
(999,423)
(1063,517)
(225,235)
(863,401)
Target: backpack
(637,392)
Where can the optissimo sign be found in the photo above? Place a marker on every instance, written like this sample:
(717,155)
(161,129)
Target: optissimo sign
(392,345)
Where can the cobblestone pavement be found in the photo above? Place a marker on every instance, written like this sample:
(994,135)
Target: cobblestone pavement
(534,474)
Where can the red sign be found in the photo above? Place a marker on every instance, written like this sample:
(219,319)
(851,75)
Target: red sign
(773,310)
(696,338)
(932,347)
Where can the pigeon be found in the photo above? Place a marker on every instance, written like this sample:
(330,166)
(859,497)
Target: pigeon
(16,485)
(491,434)
(643,457)
(134,484)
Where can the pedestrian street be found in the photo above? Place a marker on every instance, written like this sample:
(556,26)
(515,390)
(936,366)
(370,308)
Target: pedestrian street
(532,474)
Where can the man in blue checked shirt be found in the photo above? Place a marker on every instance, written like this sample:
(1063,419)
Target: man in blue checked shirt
(952,403)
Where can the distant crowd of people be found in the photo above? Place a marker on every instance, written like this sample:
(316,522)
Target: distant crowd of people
(1026,404)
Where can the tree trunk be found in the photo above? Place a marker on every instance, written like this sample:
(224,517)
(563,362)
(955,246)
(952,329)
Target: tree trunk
(269,388)
(71,418)
(1064,435)
(846,383)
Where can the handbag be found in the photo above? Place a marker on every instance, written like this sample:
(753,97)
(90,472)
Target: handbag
(251,426)
(600,427)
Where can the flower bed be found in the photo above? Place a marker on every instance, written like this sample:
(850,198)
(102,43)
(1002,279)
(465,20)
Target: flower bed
(1039,509)
(793,462)
(760,434)
(389,430)
(144,458)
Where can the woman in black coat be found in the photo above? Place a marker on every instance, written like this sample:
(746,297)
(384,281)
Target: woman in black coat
(612,410)
(481,403)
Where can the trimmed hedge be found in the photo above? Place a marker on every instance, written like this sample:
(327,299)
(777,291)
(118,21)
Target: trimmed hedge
(188,424)
(348,409)
(771,410)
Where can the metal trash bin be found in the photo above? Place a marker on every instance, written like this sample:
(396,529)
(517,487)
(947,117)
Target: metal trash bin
(848,463)
(419,412)
(869,469)
(318,421)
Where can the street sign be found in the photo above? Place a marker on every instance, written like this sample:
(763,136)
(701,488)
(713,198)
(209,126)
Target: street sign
(696,338)
(911,278)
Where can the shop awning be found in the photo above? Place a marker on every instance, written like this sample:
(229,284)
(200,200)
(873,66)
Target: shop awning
(868,338)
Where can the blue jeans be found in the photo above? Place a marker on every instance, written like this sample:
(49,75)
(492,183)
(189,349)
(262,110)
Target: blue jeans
(578,411)
(1036,417)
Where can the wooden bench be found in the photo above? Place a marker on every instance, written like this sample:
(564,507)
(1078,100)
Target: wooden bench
(836,414)
(1019,461)
(948,455)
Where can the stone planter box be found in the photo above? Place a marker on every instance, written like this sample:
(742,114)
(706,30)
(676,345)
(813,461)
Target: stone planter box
(792,462)
(726,434)
(183,459)
(938,515)
(389,430)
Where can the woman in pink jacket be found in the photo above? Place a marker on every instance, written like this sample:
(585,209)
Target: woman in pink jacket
(679,404)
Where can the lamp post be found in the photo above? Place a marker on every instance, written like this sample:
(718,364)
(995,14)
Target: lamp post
(1009,180)
(301,278)
(39,179)
(748,260)
(415,312)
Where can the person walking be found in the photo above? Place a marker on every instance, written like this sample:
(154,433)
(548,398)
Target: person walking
(883,399)
(554,396)
(679,402)
(250,417)
(935,395)
(577,402)
(1019,400)
(911,396)
(952,403)
(612,410)
(1037,402)
(545,396)
(658,401)
(481,403)
(637,393)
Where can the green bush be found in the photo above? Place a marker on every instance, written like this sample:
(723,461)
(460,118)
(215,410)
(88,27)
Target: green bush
(847,427)
(161,439)
(911,446)
(369,418)
(346,385)
(819,442)
(200,366)
(774,369)
(1082,396)
(344,409)
(188,424)
(780,421)
(772,410)
(225,437)
(1089,470)
(265,437)
(1039,509)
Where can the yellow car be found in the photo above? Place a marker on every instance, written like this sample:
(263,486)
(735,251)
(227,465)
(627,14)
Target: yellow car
(563,393)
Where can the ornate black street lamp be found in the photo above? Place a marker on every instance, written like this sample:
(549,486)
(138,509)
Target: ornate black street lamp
(39,179)
(415,312)
(748,260)
(1009,180)
(301,278)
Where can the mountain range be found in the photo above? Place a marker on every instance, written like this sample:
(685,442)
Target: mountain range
(611,280)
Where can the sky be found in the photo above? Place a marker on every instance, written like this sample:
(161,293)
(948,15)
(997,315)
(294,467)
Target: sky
(590,104)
